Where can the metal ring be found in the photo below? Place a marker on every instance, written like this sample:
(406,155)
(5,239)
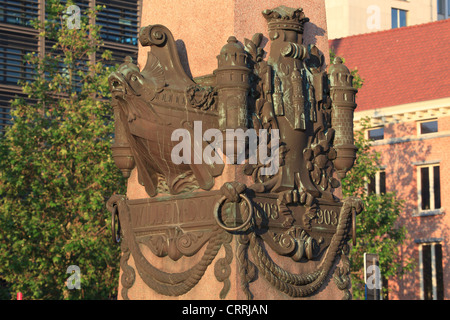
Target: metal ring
(115,235)
(242,226)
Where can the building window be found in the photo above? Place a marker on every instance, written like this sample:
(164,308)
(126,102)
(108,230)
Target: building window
(428,127)
(398,18)
(19,12)
(376,134)
(443,9)
(429,188)
(431,273)
(13,48)
(120,25)
(377,183)
(119,21)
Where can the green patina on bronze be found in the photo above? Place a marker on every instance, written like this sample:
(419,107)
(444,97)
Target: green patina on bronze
(294,212)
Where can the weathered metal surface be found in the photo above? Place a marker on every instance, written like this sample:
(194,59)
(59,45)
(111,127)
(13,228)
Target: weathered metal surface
(294,211)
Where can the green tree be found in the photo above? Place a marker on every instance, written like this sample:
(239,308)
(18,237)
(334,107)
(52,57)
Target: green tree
(56,170)
(377,229)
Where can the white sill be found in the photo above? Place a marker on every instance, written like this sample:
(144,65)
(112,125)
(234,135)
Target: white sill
(411,138)
(426,213)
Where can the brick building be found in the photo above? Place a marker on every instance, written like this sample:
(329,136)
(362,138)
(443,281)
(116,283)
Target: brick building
(406,93)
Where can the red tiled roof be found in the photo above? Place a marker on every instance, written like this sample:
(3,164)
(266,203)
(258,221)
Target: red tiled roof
(399,66)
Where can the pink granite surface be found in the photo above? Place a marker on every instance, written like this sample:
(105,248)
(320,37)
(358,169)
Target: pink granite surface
(203,26)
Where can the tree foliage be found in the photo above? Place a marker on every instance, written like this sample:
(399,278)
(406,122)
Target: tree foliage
(377,230)
(56,170)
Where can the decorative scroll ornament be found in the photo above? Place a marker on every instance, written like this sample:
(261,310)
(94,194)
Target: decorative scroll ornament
(291,213)
(200,97)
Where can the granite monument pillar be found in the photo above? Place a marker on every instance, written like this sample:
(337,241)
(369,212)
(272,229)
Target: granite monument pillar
(234,132)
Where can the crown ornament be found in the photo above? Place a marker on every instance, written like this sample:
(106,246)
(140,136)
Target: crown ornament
(284,18)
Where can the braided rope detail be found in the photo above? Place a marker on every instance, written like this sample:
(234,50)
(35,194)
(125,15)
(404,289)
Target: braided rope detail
(222,269)
(341,276)
(283,275)
(175,284)
(170,284)
(128,274)
(247,269)
(281,279)
(298,285)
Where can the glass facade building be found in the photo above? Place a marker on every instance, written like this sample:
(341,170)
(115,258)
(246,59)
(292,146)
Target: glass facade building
(120,21)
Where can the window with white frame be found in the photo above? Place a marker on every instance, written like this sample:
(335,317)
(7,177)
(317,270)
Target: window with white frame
(398,18)
(431,272)
(429,126)
(375,134)
(377,184)
(429,187)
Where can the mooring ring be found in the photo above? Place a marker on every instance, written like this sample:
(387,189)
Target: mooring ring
(115,235)
(242,226)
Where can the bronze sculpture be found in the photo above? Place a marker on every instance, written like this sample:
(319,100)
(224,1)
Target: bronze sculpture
(292,211)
